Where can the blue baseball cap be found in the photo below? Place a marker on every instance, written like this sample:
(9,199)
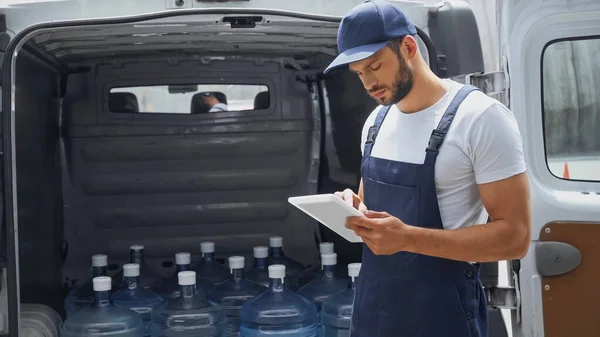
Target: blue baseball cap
(367,28)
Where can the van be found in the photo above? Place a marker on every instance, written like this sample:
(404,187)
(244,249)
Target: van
(170,122)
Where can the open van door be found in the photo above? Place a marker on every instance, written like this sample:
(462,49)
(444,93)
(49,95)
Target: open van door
(551,48)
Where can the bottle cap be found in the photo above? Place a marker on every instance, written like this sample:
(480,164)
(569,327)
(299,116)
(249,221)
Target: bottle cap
(329,259)
(102,283)
(131,270)
(186,278)
(207,247)
(326,247)
(99,260)
(354,269)
(277,271)
(182,258)
(136,247)
(261,252)
(236,262)
(276,241)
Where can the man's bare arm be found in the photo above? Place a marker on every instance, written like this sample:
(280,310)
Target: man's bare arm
(506,237)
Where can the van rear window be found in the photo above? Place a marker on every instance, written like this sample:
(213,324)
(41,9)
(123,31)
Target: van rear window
(189,98)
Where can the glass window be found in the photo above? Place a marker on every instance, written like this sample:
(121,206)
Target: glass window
(571,108)
(189,99)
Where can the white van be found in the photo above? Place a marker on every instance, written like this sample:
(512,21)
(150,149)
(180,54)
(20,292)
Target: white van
(109,138)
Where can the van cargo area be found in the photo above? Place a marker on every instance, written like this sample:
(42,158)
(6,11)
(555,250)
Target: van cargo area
(101,169)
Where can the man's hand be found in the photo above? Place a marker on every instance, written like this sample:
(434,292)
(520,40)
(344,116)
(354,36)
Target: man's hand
(352,199)
(381,232)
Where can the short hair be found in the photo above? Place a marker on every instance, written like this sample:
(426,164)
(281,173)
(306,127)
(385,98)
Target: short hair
(395,44)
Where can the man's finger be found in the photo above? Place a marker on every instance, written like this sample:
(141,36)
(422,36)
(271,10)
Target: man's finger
(349,197)
(363,232)
(362,208)
(359,221)
(376,215)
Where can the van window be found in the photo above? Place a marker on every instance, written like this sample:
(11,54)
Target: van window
(189,98)
(571,108)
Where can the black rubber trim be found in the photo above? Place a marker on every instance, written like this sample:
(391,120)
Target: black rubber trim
(433,60)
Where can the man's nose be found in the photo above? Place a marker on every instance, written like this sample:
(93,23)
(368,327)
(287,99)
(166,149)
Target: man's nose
(369,82)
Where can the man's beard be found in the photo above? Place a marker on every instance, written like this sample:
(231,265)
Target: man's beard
(403,83)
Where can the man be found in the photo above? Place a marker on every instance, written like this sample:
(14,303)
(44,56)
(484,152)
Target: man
(438,158)
(213,102)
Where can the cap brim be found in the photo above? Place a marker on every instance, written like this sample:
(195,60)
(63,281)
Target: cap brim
(355,54)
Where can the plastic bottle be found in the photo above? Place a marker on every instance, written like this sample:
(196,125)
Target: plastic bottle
(190,314)
(336,312)
(327,285)
(148,278)
(233,293)
(259,273)
(208,268)
(170,289)
(83,295)
(277,256)
(278,312)
(135,297)
(103,318)
(316,272)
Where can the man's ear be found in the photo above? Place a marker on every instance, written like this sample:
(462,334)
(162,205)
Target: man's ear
(410,47)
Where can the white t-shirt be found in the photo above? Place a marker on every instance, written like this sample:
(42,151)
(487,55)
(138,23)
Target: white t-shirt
(483,145)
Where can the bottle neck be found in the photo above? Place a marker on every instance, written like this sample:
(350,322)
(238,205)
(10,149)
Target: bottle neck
(131,282)
(182,267)
(276,284)
(328,271)
(136,256)
(237,274)
(101,298)
(276,251)
(261,263)
(208,257)
(99,271)
(188,291)
(352,283)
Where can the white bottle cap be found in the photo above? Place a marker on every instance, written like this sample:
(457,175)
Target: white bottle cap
(354,269)
(329,259)
(182,258)
(131,270)
(99,260)
(136,247)
(326,247)
(261,252)
(275,241)
(186,278)
(277,271)
(207,247)
(236,262)
(102,283)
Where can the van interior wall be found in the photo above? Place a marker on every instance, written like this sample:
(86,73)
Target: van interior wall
(39,201)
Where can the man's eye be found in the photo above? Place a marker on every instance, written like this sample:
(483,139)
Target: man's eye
(376,67)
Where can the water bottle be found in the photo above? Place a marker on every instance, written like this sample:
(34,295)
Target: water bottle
(259,273)
(208,268)
(327,285)
(336,312)
(148,278)
(277,256)
(190,314)
(135,297)
(83,295)
(103,318)
(316,272)
(278,312)
(170,289)
(233,293)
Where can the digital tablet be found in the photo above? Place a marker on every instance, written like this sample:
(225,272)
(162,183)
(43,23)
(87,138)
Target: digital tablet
(331,211)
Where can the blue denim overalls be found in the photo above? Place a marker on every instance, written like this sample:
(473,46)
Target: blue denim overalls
(409,294)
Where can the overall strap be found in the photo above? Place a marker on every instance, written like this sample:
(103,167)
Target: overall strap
(373,130)
(439,134)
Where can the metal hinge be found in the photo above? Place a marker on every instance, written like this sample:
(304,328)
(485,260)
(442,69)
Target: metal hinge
(495,84)
(502,297)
